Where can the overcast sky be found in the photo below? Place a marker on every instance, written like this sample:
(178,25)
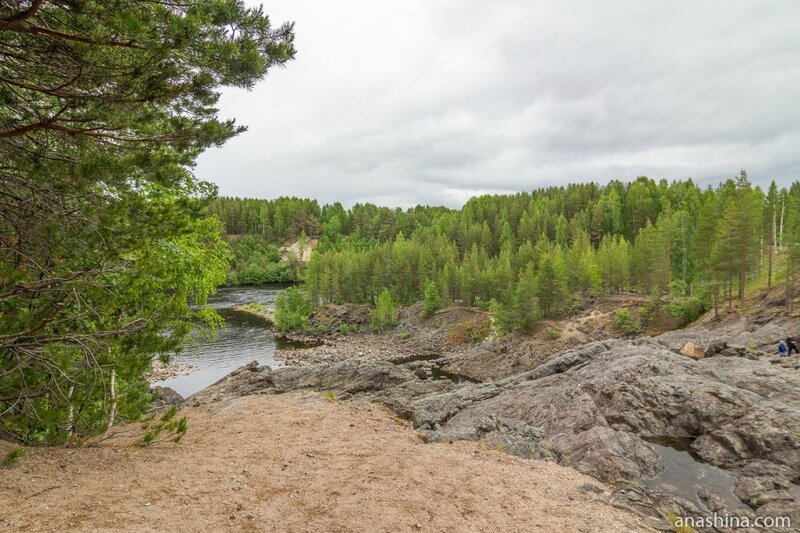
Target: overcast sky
(433,101)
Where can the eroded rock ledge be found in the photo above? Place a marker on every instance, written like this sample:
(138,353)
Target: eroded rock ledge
(599,408)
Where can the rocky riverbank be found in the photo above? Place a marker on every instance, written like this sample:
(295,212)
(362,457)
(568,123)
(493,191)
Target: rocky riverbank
(173,369)
(607,409)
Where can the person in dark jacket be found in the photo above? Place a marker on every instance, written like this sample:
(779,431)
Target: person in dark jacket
(783,351)
(790,345)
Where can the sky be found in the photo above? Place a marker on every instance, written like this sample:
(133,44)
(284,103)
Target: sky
(434,101)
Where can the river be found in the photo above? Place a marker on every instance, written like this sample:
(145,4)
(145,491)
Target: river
(243,339)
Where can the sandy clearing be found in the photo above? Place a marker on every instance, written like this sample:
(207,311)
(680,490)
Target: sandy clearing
(297,462)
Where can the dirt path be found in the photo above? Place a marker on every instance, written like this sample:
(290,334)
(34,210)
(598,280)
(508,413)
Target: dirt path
(298,463)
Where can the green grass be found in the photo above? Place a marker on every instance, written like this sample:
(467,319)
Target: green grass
(13,456)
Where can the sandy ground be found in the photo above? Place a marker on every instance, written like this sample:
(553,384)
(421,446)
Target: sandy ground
(297,463)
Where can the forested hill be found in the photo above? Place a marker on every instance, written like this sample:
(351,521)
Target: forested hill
(530,252)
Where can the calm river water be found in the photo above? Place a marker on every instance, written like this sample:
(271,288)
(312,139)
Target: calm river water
(243,339)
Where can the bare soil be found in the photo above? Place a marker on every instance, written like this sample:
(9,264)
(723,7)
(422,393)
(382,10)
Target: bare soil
(297,463)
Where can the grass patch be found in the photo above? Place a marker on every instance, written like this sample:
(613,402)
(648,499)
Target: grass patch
(347,329)
(13,456)
(472,329)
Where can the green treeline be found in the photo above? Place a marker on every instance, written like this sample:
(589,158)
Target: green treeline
(257,229)
(530,255)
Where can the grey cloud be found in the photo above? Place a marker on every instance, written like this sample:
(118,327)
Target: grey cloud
(433,101)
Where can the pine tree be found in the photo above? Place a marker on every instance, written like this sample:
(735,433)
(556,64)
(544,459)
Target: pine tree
(384,316)
(771,228)
(432,301)
(551,283)
(524,310)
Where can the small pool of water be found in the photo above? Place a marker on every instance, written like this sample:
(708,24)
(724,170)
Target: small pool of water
(415,358)
(436,369)
(243,339)
(685,474)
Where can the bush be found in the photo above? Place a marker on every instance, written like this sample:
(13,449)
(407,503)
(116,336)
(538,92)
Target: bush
(384,316)
(501,317)
(649,313)
(472,329)
(291,310)
(626,322)
(347,329)
(687,310)
(432,302)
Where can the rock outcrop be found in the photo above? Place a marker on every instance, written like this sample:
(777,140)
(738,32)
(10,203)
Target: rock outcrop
(599,407)
(165,396)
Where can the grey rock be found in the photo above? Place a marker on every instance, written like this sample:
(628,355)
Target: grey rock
(596,406)
(166,396)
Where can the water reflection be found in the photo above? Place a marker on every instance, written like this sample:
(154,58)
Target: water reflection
(243,339)
(686,475)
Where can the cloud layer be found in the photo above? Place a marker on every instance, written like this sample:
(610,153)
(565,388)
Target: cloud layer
(433,101)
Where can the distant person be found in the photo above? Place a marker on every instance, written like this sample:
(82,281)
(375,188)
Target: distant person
(783,350)
(791,345)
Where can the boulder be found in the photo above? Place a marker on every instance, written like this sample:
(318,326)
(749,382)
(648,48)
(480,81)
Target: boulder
(166,396)
(692,350)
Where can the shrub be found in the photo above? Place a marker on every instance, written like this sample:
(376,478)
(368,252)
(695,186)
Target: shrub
(687,310)
(291,310)
(432,302)
(650,311)
(627,323)
(346,329)
(384,316)
(472,329)
(553,334)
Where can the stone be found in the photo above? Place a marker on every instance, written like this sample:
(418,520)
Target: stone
(166,396)
(692,350)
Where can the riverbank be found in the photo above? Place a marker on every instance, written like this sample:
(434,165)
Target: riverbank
(298,462)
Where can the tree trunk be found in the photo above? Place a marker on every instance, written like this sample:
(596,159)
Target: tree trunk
(112,413)
(789,268)
(770,251)
(742,278)
(71,415)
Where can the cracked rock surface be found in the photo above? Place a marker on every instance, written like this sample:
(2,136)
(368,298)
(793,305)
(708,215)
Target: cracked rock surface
(600,408)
